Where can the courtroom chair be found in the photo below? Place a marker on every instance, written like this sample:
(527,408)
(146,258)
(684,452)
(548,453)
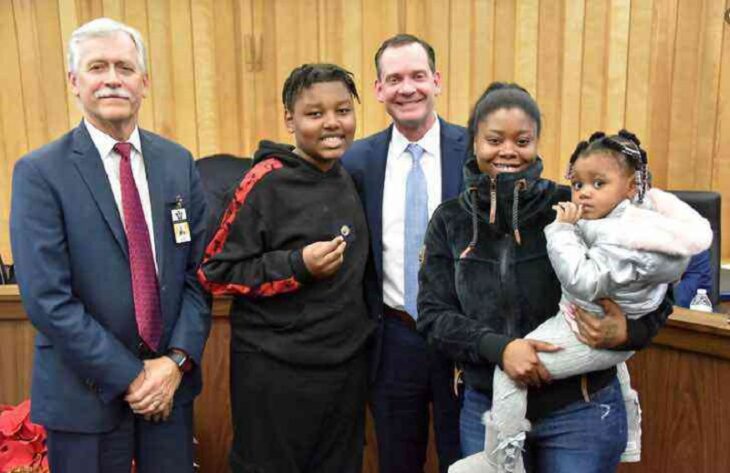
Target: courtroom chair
(6,273)
(220,174)
(709,205)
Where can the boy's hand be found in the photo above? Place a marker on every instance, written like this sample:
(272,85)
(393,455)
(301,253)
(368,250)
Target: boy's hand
(324,258)
(568,212)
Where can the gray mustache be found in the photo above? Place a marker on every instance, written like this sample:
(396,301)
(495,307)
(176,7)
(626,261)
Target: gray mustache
(107,92)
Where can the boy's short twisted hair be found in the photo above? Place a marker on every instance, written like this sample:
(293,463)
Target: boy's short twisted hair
(306,75)
(625,147)
(404,39)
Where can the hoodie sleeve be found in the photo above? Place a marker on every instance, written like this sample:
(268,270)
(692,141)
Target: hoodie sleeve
(440,317)
(237,260)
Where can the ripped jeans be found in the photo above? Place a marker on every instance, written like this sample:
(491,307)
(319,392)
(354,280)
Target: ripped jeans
(585,437)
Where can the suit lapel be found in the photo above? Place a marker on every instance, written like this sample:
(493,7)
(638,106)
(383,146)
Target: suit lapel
(453,152)
(375,177)
(86,158)
(154,168)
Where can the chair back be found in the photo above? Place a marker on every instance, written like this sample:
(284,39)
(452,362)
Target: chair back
(709,205)
(220,174)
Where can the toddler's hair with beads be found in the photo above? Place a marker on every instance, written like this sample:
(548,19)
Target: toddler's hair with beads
(625,147)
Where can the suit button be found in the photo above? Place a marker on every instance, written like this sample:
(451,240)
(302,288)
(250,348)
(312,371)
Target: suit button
(164,288)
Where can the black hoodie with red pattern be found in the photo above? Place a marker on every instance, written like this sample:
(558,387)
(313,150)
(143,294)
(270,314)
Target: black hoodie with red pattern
(283,204)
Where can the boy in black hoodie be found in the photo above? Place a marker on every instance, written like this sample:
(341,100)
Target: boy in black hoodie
(292,248)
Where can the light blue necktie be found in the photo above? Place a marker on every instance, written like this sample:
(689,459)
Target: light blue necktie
(415,227)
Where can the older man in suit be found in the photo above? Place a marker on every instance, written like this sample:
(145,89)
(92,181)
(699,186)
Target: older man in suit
(402,174)
(107,228)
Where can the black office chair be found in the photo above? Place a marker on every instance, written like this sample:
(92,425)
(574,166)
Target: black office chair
(6,273)
(220,174)
(709,205)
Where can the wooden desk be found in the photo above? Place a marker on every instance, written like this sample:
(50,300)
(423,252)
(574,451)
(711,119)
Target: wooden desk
(683,380)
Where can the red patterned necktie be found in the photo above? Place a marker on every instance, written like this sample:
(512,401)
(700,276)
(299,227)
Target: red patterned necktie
(141,261)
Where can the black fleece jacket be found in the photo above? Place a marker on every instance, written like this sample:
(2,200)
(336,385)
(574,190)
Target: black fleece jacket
(283,204)
(485,284)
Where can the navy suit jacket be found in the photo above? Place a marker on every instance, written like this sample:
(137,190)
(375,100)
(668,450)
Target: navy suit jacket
(365,161)
(71,259)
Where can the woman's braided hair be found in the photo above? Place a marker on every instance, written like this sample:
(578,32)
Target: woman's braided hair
(625,146)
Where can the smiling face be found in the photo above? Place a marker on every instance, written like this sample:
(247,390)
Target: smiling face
(408,88)
(505,141)
(599,183)
(323,123)
(109,83)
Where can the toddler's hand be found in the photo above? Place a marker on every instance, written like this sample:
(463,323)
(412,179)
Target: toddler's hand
(568,212)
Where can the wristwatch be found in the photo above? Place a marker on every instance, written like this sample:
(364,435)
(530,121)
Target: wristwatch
(181,359)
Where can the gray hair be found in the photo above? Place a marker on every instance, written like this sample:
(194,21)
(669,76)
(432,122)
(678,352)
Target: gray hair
(100,28)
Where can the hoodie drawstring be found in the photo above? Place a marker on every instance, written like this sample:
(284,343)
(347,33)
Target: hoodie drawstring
(519,186)
(492,201)
(474,223)
(473,192)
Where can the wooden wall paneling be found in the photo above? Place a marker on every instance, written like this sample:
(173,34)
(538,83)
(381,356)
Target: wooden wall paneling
(721,162)
(594,61)
(113,9)
(570,100)
(13,136)
(504,36)
(684,416)
(267,95)
(180,37)
(527,33)
(31,75)
(159,46)
(69,20)
(53,84)
(245,74)
(227,56)
(87,10)
(664,28)
(638,94)
(380,21)
(331,40)
(616,70)
(352,54)
(135,15)
(340,28)
(548,93)
(458,78)
(16,359)
(296,42)
(213,406)
(482,47)
(685,90)
(203,26)
(435,29)
(708,80)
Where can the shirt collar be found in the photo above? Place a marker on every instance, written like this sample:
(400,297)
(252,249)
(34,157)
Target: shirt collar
(430,142)
(105,143)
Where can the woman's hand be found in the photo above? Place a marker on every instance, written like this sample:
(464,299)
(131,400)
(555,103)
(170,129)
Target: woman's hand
(568,212)
(521,364)
(607,332)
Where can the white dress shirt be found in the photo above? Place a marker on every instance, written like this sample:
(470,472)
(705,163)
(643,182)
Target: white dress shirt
(111,159)
(397,167)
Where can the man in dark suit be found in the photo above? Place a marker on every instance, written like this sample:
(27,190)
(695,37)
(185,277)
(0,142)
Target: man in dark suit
(107,228)
(402,174)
